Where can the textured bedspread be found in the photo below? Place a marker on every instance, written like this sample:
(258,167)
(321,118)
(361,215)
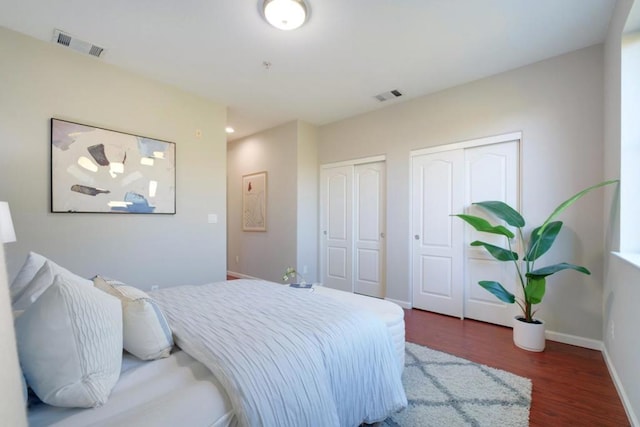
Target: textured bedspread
(287,357)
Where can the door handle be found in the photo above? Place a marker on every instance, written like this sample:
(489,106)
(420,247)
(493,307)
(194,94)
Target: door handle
(382,235)
(417,237)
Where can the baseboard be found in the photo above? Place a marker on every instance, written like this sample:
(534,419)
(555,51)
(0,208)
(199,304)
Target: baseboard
(240,275)
(623,395)
(403,304)
(550,335)
(574,340)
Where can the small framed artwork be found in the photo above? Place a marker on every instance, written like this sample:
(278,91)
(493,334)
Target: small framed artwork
(254,202)
(103,171)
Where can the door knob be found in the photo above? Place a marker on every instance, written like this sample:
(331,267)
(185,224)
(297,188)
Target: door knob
(417,237)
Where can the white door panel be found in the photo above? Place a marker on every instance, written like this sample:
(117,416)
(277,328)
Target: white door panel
(368,262)
(337,263)
(336,193)
(491,174)
(436,274)
(369,216)
(437,245)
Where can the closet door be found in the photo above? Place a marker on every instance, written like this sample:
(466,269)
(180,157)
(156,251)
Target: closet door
(445,268)
(369,214)
(352,218)
(491,173)
(437,252)
(337,221)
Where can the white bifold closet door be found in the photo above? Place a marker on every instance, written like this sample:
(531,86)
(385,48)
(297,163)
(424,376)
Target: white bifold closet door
(437,240)
(352,228)
(445,269)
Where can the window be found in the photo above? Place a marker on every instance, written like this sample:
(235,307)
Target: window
(630,147)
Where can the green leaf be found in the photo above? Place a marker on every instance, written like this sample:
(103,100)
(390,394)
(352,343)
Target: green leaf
(497,252)
(484,226)
(541,242)
(551,269)
(496,289)
(564,205)
(504,212)
(535,289)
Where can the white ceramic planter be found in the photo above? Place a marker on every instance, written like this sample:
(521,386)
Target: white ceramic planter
(528,336)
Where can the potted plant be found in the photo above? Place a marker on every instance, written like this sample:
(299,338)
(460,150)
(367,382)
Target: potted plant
(528,332)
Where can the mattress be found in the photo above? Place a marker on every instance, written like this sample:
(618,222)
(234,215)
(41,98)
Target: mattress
(179,390)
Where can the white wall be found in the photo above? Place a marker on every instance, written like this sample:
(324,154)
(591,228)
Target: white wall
(558,105)
(622,278)
(40,80)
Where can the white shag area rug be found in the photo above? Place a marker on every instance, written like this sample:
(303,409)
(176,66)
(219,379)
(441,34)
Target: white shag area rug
(444,390)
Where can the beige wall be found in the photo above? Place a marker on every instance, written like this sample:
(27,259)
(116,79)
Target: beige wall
(288,153)
(38,81)
(558,106)
(308,195)
(254,253)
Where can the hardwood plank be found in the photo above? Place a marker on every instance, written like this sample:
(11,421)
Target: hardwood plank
(571,385)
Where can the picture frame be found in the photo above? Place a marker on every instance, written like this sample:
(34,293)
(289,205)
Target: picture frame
(254,202)
(97,170)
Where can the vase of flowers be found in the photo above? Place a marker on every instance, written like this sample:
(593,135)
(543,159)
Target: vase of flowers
(291,274)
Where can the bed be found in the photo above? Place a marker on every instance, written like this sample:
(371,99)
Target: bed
(190,388)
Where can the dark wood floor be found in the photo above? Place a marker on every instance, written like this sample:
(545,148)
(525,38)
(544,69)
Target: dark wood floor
(571,385)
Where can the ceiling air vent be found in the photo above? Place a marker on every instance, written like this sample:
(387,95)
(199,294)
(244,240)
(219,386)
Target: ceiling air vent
(76,44)
(385,96)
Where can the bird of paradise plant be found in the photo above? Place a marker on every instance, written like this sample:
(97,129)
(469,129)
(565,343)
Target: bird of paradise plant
(532,280)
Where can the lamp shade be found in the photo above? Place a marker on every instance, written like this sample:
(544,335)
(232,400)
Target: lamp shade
(7,233)
(285,14)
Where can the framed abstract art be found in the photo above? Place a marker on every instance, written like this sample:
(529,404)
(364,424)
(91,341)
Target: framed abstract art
(103,171)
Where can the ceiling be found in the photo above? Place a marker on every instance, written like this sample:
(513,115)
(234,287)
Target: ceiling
(333,66)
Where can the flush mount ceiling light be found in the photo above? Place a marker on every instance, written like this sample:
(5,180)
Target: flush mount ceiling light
(285,14)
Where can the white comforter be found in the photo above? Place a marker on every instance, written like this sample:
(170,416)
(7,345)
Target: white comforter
(287,357)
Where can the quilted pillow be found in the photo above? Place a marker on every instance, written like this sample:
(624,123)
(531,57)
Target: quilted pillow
(146,331)
(70,344)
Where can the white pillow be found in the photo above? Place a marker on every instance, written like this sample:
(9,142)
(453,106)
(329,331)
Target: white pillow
(146,331)
(70,344)
(40,282)
(27,272)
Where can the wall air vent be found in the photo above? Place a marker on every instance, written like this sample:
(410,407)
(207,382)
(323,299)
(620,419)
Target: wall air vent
(385,96)
(76,44)
(64,39)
